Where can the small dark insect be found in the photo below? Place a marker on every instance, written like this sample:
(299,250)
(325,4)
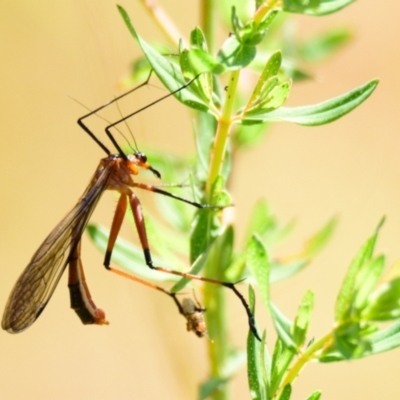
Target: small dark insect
(194,314)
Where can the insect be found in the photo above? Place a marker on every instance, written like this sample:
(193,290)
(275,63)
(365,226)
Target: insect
(62,247)
(194,314)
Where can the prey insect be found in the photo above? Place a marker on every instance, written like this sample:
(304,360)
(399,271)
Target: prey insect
(194,315)
(62,247)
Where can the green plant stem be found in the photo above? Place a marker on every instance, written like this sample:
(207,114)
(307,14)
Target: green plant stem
(265,8)
(214,296)
(303,359)
(222,134)
(208,17)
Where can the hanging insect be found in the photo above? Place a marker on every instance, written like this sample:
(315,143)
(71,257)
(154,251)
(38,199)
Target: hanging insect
(62,247)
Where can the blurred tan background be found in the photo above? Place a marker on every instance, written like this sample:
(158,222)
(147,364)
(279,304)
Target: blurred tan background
(51,50)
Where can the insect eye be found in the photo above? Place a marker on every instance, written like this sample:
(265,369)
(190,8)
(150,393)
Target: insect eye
(142,157)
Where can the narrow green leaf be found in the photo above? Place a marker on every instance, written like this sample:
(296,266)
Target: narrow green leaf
(210,386)
(197,39)
(235,55)
(303,318)
(318,241)
(265,83)
(368,279)
(385,339)
(199,239)
(324,44)
(262,221)
(348,289)
(276,97)
(204,62)
(258,263)
(169,73)
(315,7)
(350,340)
(254,371)
(281,360)
(384,303)
(280,272)
(204,133)
(286,393)
(315,396)
(320,113)
(249,135)
(283,327)
(265,363)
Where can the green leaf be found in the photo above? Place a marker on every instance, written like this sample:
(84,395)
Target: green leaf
(253,32)
(315,396)
(249,135)
(267,81)
(258,263)
(286,392)
(210,386)
(255,375)
(320,113)
(314,244)
(235,55)
(348,289)
(367,281)
(283,327)
(315,7)
(324,45)
(169,73)
(277,96)
(202,61)
(204,133)
(262,221)
(197,39)
(281,360)
(385,339)
(199,239)
(302,319)
(384,303)
(281,272)
(351,340)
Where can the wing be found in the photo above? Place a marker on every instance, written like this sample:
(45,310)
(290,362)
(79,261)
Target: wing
(35,286)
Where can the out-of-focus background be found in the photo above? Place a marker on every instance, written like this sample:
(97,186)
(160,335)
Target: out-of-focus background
(52,50)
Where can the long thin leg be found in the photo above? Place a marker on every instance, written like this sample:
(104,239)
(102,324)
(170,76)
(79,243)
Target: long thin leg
(188,309)
(81,300)
(115,227)
(109,134)
(92,135)
(141,229)
(156,189)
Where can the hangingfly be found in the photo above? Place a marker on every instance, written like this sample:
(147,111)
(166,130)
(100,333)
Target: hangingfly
(62,247)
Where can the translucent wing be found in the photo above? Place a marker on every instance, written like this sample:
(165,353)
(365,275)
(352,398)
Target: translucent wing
(38,281)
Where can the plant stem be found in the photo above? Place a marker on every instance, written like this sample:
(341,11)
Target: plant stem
(222,134)
(208,18)
(214,296)
(303,359)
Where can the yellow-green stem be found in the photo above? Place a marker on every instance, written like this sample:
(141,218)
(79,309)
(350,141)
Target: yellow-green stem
(208,15)
(222,134)
(215,296)
(303,359)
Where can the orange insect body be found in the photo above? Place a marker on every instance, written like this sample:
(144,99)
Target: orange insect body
(62,247)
